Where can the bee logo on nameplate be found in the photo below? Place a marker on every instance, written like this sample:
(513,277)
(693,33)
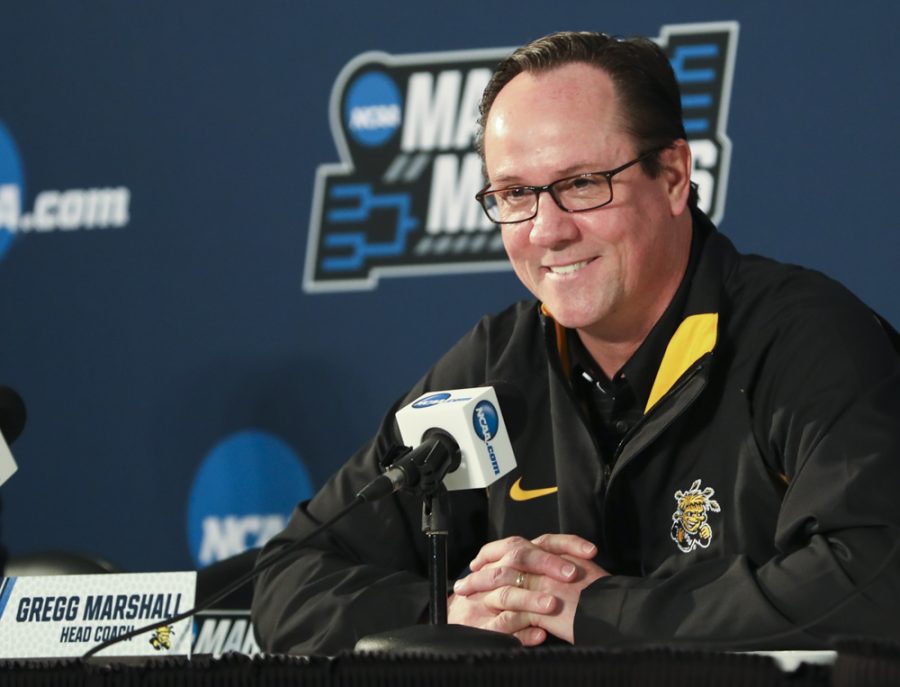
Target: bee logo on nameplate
(162,638)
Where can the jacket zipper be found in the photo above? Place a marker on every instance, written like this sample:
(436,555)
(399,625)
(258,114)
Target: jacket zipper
(685,379)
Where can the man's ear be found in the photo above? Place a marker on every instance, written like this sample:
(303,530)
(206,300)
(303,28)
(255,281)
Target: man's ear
(675,170)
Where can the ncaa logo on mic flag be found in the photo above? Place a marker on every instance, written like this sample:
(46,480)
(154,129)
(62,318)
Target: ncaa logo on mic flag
(486,423)
(401,201)
(429,401)
(243,494)
(485,420)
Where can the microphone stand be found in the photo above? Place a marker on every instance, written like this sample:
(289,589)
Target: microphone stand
(437,637)
(435,507)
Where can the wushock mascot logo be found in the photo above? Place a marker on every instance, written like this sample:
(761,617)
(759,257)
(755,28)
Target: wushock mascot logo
(690,521)
(402,199)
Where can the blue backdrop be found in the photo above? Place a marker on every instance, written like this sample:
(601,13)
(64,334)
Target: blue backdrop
(188,373)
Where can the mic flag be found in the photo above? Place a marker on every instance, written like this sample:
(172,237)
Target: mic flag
(473,418)
(12,422)
(12,414)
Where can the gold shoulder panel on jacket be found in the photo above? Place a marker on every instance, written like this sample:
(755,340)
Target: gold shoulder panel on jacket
(695,337)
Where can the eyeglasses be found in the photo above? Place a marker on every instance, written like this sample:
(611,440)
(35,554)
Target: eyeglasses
(578,193)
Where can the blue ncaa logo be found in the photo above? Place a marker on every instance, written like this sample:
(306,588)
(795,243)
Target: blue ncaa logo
(485,421)
(242,495)
(432,400)
(11,188)
(372,110)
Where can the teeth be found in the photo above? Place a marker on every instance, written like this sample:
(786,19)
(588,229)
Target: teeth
(568,269)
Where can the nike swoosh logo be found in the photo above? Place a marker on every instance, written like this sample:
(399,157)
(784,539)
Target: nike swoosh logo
(517,493)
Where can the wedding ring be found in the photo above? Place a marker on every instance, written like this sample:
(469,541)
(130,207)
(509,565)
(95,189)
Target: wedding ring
(520,579)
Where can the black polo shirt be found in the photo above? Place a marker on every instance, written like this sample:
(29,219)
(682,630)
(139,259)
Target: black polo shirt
(614,406)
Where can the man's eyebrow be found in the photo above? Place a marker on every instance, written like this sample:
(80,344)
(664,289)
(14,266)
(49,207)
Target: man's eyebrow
(505,180)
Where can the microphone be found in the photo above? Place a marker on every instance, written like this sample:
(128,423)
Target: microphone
(12,414)
(450,422)
(462,441)
(459,438)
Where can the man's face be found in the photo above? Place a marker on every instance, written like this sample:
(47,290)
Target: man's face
(600,270)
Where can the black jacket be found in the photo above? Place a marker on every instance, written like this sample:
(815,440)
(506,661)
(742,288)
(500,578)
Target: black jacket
(774,421)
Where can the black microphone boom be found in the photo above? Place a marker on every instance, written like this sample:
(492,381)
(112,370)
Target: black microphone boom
(422,467)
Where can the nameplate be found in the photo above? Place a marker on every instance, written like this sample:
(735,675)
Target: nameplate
(61,616)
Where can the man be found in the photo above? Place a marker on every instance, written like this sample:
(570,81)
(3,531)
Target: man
(712,445)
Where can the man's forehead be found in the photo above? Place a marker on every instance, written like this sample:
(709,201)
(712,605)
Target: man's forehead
(560,121)
(565,79)
(576,92)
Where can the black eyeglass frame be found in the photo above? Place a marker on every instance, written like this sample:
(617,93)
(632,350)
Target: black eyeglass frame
(538,190)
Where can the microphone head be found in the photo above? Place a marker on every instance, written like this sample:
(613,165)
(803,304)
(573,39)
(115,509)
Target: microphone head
(475,419)
(12,414)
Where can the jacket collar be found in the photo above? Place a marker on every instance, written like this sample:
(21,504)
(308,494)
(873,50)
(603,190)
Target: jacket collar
(698,332)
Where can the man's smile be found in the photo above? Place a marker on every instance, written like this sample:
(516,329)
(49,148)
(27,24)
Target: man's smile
(568,269)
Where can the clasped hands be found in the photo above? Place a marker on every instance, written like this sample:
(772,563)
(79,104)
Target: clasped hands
(526,588)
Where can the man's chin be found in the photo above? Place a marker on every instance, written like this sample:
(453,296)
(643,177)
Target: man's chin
(570,319)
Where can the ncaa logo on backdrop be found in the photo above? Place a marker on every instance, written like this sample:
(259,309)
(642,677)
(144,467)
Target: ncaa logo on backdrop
(11,188)
(52,210)
(402,200)
(242,495)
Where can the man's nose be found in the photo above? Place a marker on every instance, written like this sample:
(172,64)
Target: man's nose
(552,226)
